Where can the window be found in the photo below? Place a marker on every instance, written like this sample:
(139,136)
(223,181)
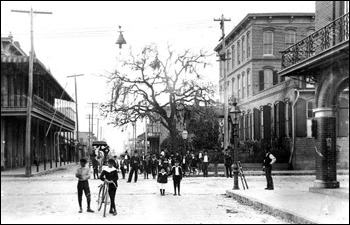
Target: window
(248,82)
(262,122)
(309,83)
(228,53)
(233,86)
(248,45)
(238,53)
(290,38)
(266,79)
(239,87)
(310,114)
(268,43)
(233,57)
(243,49)
(243,85)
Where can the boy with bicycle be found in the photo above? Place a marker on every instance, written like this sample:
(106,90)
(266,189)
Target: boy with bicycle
(83,174)
(110,176)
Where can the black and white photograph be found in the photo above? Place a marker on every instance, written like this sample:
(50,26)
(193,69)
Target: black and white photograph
(174,112)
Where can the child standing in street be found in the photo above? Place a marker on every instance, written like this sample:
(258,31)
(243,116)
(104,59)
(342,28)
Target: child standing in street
(110,175)
(176,171)
(162,180)
(83,174)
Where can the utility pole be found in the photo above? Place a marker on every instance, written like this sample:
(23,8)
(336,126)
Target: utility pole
(98,120)
(89,132)
(76,106)
(92,115)
(223,58)
(30,91)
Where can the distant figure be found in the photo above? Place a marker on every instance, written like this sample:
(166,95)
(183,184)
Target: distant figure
(135,164)
(127,161)
(95,165)
(116,163)
(184,165)
(153,166)
(200,164)
(123,167)
(83,174)
(267,167)
(228,164)
(110,175)
(162,180)
(176,172)
(205,162)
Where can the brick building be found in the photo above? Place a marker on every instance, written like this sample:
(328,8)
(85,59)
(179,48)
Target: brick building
(273,107)
(324,56)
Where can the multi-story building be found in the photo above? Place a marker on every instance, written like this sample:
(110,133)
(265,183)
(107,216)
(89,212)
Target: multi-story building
(52,130)
(273,107)
(324,57)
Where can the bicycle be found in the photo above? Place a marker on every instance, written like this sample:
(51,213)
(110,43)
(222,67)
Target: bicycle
(103,196)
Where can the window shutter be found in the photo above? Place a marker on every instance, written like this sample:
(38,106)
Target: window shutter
(241,122)
(256,113)
(290,119)
(267,121)
(250,125)
(275,77)
(282,118)
(300,118)
(246,127)
(261,80)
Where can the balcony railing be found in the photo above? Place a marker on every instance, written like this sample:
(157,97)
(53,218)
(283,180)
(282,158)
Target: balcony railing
(325,38)
(13,101)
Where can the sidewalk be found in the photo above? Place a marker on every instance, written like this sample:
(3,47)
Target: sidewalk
(294,201)
(20,172)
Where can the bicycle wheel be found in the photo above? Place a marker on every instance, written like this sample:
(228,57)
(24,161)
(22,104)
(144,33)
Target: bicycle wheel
(105,201)
(101,197)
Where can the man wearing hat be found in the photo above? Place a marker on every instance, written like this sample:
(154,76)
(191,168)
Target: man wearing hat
(134,163)
(176,172)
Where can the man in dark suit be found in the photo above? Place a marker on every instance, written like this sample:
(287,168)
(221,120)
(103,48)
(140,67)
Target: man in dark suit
(135,164)
(176,171)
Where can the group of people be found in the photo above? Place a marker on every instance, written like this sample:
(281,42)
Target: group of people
(174,165)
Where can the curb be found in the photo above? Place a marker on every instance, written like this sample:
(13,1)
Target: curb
(45,172)
(283,213)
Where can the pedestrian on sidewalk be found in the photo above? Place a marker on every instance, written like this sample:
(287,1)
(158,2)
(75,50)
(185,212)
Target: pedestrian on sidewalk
(154,165)
(194,163)
(200,162)
(135,164)
(205,162)
(83,174)
(267,167)
(127,161)
(176,172)
(228,164)
(116,163)
(184,165)
(162,180)
(110,176)
(95,164)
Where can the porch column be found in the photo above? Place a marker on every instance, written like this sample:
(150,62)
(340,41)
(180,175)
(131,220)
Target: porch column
(326,170)
(2,143)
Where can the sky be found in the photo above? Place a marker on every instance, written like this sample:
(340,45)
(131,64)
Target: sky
(79,38)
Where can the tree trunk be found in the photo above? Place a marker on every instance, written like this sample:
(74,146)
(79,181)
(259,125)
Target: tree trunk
(173,138)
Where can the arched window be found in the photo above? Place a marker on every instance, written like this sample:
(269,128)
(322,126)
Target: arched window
(248,45)
(233,87)
(239,87)
(228,55)
(248,82)
(265,79)
(268,43)
(290,38)
(233,57)
(243,85)
(243,49)
(238,53)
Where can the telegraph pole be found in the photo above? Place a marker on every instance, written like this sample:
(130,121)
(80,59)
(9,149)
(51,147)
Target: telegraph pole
(30,91)
(223,58)
(76,104)
(92,115)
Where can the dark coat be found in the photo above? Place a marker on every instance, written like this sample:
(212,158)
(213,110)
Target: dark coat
(135,161)
(179,177)
(111,176)
(162,178)
(228,160)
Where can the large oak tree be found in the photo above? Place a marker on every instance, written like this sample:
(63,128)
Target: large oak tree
(158,87)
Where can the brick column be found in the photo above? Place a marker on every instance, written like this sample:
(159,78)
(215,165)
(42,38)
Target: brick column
(326,170)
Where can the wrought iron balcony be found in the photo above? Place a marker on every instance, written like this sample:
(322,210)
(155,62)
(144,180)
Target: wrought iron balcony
(331,35)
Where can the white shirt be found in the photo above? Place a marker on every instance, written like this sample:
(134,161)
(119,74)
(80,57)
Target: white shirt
(273,158)
(184,161)
(126,157)
(205,158)
(177,173)
(200,155)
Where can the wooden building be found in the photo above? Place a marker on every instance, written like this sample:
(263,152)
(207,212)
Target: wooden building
(52,112)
